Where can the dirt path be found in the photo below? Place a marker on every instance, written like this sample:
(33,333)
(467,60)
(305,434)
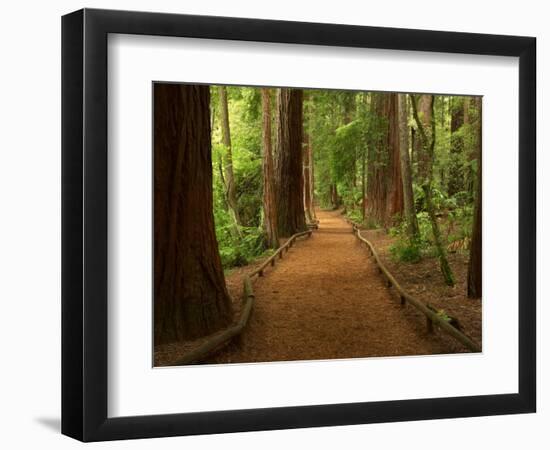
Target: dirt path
(326,300)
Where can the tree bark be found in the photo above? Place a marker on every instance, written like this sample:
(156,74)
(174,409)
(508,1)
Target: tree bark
(456,176)
(470,148)
(363,184)
(427,136)
(269,201)
(230,189)
(191,298)
(424,105)
(308,208)
(475,263)
(308,164)
(384,185)
(290,197)
(408,196)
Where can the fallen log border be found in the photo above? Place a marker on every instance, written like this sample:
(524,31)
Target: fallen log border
(220,339)
(431,317)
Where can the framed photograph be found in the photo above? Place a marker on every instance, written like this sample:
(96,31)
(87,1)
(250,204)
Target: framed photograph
(273,224)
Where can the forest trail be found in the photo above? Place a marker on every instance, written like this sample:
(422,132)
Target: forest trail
(324,300)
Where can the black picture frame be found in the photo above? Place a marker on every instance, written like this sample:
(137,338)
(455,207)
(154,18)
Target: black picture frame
(84,224)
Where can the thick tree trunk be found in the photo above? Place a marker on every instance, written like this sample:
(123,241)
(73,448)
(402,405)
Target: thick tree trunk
(191,298)
(384,185)
(408,196)
(395,204)
(456,176)
(475,263)
(427,135)
(230,189)
(290,208)
(269,201)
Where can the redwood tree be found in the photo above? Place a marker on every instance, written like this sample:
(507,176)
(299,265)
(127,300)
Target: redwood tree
(289,185)
(474,266)
(269,201)
(384,185)
(191,298)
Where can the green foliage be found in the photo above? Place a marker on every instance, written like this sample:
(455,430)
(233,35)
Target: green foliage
(406,251)
(344,131)
(354,215)
(234,250)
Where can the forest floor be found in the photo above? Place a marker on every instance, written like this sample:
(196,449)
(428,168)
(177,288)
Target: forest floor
(326,300)
(423,280)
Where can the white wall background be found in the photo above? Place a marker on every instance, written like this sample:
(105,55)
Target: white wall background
(30,224)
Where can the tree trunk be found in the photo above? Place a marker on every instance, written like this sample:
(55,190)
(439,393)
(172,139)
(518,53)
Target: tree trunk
(395,204)
(427,136)
(363,184)
(269,202)
(424,113)
(308,164)
(230,190)
(475,263)
(470,149)
(456,176)
(308,208)
(408,196)
(384,185)
(191,298)
(290,208)
(311,181)
(334,199)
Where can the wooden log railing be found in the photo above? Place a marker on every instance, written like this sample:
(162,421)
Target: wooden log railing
(220,339)
(432,318)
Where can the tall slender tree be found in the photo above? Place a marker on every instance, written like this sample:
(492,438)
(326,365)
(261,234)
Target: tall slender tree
(229,177)
(308,163)
(426,130)
(475,263)
(408,196)
(289,184)
(191,298)
(308,203)
(269,201)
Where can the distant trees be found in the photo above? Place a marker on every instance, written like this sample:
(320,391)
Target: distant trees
(289,182)
(191,298)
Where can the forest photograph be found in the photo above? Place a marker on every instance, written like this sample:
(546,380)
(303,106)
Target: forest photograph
(314,224)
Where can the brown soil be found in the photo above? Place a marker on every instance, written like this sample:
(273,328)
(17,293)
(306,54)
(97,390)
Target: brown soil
(423,280)
(325,300)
